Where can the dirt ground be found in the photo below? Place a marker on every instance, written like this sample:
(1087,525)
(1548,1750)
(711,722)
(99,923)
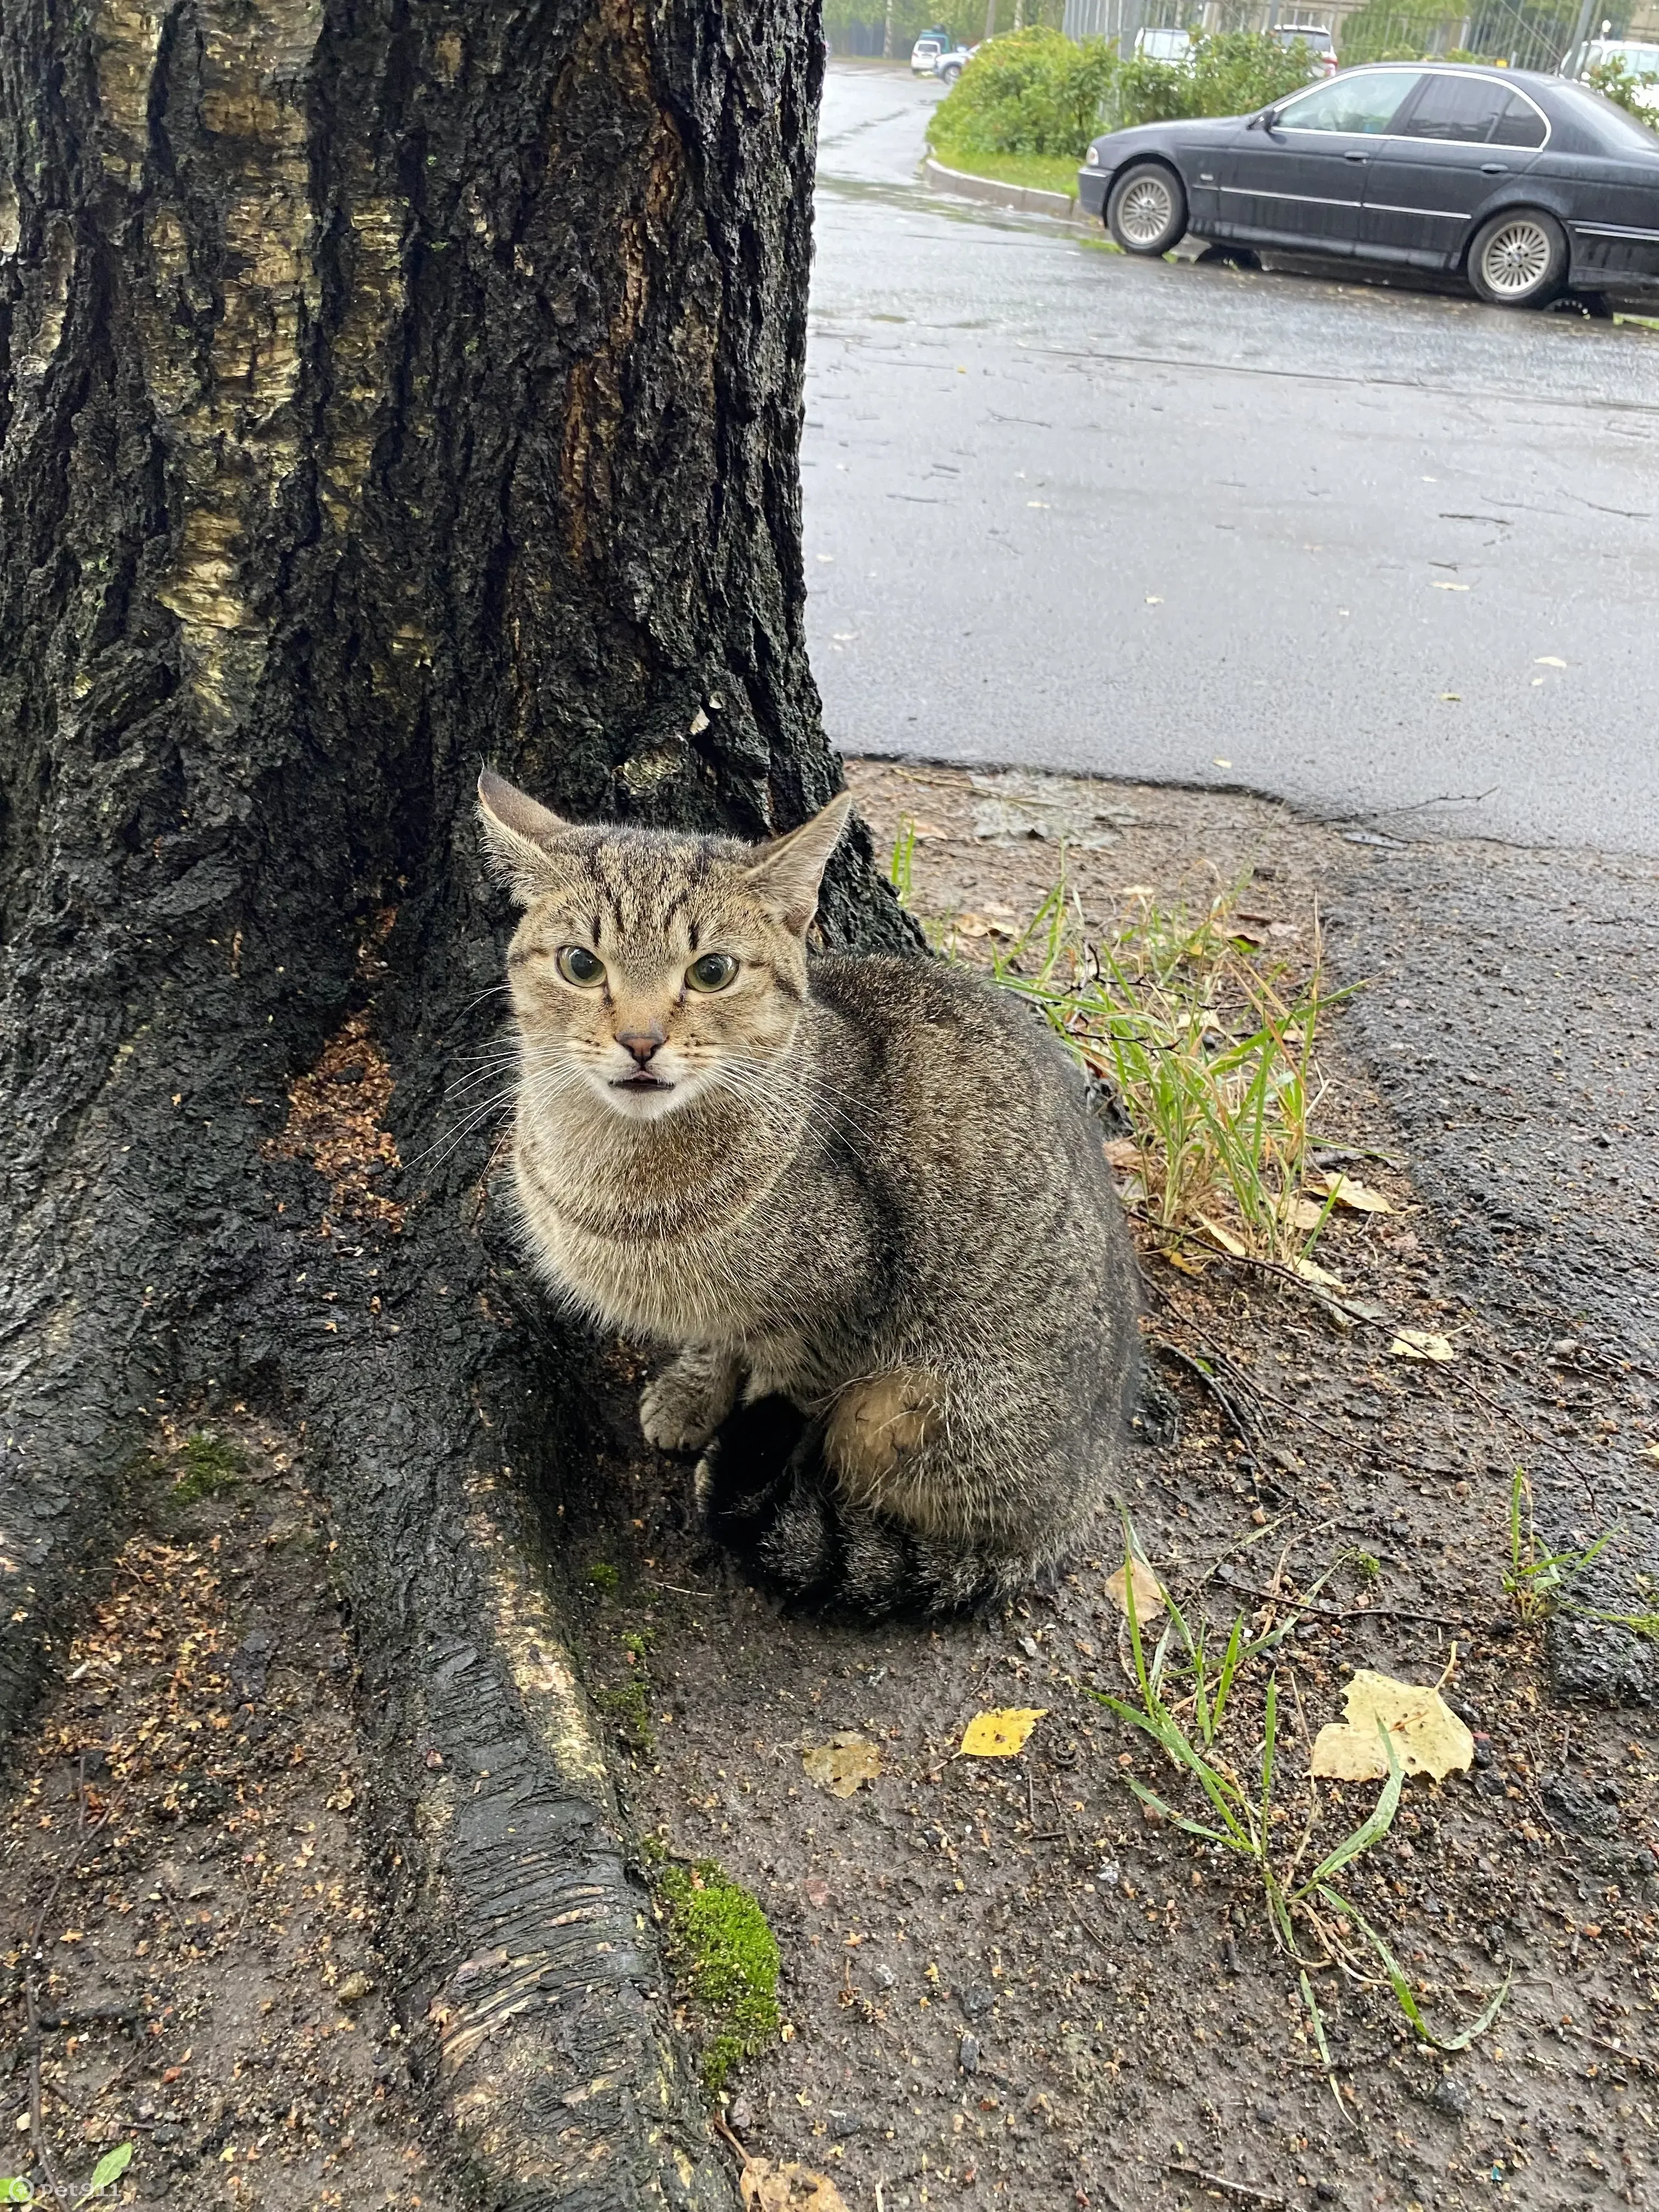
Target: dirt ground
(999,1978)
(189,1961)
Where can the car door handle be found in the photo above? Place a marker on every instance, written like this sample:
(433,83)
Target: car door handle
(1355,156)
(1494,168)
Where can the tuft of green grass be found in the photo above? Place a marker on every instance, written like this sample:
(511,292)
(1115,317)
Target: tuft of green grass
(1185,1696)
(603,1577)
(211,1467)
(1211,1051)
(724,1957)
(902,867)
(629,1704)
(1536,1580)
(1045,173)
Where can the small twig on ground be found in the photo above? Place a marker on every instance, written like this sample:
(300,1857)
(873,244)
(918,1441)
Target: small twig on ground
(718,2120)
(1343,1613)
(40,2147)
(1240,2190)
(1249,1434)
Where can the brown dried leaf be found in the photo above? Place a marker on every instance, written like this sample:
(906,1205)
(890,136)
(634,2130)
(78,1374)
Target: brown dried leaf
(842,1763)
(1422,1344)
(1149,1591)
(1121,1152)
(765,2187)
(1356,1196)
(1311,1272)
(1302,1213)
(1224,1237)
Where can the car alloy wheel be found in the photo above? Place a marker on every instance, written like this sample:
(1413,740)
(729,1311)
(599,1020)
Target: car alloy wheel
(1147,212)
(1145,209)
(1519,260)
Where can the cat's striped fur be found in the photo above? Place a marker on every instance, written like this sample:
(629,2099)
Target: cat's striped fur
(862,1201)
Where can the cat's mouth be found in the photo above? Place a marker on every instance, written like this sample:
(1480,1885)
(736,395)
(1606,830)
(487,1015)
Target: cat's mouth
(641,1079)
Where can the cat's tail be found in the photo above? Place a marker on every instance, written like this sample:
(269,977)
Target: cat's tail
(770,1497)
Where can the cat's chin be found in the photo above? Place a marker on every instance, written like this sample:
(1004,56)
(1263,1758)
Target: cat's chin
(647,1102)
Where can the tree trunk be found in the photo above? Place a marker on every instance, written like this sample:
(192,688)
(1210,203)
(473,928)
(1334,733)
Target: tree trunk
(383,387)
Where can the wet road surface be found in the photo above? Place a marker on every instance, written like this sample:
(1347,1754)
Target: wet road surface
(1187,524)
(1387,554)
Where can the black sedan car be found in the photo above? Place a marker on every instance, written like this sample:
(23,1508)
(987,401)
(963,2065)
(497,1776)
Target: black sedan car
(1524,185)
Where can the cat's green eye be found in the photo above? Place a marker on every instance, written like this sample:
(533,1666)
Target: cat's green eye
(580,966)
(713,972)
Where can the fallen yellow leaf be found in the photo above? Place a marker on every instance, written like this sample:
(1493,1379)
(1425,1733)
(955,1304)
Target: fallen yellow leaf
(1149,1591)
(842,1763)
(1441,585)
(1428,1737)
(1356,1195)
(1182,1264)
(1650,1452)
(765,2187)
(1224,1237)
(1422,1344)
(1001,1733)
(1311,1272)
(1300,1212)
(1548,660)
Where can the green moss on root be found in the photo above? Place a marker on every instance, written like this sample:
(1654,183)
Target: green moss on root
(211,1466)
(726,1959)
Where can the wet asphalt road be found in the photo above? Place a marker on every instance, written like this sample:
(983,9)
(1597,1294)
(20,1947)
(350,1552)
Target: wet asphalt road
(1088,513)
(1185,523)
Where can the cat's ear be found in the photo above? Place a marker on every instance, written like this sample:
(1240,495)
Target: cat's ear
(786,872)
(519,832)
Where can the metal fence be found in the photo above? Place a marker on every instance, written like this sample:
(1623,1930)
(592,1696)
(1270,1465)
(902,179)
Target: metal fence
(1520,33)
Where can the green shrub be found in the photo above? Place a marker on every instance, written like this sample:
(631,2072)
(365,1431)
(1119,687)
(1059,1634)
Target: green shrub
(1031,92)
(1236,71)
(1230,73)
(1035,91)
(1146,91)
(1615,77)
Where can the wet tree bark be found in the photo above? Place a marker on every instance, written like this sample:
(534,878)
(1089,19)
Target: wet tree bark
(385,384)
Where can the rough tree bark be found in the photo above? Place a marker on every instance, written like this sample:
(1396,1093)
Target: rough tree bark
(384,384)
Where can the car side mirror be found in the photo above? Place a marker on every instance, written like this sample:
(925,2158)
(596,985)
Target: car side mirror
(1266,120)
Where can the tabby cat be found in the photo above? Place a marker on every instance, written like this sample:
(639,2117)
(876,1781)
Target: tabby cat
(862,1201)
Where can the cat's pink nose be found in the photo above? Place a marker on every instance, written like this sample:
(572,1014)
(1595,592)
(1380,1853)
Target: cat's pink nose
(640,1044)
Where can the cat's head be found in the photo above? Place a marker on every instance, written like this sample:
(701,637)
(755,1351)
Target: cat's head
(650,968)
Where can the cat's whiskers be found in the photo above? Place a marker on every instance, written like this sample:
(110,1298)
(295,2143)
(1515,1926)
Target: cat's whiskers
(538,1071)
(806,1104)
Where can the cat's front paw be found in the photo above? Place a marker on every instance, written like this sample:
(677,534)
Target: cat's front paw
(682,1409)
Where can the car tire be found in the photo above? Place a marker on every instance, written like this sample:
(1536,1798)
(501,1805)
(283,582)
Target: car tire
(950,76)
(1146,209)
(1518,259)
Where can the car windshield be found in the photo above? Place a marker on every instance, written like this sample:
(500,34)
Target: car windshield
(1614,127)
